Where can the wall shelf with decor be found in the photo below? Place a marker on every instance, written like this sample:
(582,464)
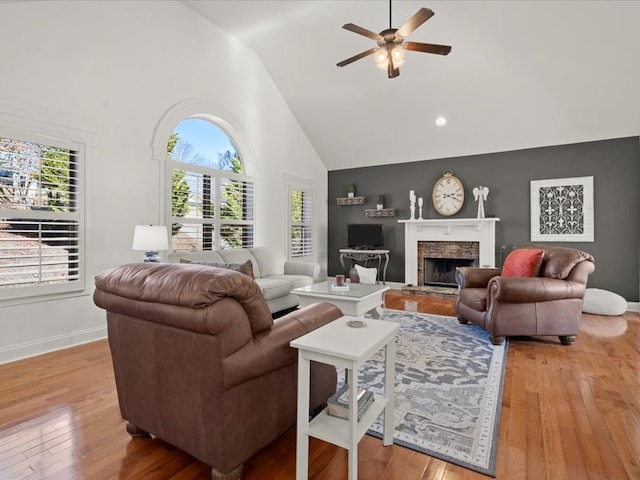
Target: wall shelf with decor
(380,212)
(350,200)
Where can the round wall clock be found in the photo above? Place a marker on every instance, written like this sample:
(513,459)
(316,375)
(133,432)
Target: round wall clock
(448,194)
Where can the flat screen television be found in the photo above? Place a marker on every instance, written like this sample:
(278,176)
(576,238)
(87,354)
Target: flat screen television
(364,235)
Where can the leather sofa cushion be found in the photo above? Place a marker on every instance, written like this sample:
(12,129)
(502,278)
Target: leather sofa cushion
(559,262)
(475,298)
(182,285)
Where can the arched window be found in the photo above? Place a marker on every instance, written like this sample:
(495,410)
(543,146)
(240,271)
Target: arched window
(211,197)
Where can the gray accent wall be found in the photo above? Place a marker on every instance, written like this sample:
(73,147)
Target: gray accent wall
(614,164)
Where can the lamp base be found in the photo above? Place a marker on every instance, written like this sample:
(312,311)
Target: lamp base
(151,256)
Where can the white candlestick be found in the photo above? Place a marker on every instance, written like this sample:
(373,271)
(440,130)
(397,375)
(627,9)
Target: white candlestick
(420,202)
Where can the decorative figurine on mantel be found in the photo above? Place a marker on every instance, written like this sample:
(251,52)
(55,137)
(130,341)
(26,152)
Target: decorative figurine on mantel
(480,194)
(352,190)
(380,202)
(412,207)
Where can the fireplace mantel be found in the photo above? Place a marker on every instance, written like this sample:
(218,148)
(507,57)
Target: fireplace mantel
(481,230)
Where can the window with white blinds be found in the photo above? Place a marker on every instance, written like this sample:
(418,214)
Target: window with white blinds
(212,200)
(40,217)
(300,238)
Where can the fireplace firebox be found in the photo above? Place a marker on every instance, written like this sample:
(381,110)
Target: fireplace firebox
(441,272)
(437,261)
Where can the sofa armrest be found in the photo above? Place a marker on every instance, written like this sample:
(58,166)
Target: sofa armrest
(270,350)
(533,289)
(475,277)
(310,269)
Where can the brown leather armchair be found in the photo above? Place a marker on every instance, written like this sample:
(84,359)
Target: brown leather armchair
(200,363)
(548,304)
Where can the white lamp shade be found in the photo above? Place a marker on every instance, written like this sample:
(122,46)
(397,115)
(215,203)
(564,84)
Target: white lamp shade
(150,238)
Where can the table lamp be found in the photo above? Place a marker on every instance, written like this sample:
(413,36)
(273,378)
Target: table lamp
(150,239)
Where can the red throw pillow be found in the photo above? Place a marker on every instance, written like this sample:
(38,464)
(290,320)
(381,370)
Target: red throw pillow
(522,262)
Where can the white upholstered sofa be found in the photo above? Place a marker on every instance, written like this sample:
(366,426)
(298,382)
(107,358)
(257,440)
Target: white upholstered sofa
(275,275)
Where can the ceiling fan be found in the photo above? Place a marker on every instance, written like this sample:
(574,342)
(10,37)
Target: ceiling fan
(389,54)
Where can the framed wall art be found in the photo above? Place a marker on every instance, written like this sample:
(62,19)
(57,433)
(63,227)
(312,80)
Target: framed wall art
(562,210)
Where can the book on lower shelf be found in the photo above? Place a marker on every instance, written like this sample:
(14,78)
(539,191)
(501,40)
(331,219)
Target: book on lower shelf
(338,403)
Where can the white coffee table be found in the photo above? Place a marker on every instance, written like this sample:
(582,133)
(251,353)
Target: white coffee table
(346,347)
(359,299)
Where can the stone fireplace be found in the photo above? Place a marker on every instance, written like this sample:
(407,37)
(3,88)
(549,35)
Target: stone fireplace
(437,261)
(468,241)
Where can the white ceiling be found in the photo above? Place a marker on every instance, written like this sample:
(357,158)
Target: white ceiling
(520,74)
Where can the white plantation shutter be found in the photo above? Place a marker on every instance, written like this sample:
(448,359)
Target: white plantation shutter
(194,230)
(236,213)
(40,217)
(220,208)
(300,221)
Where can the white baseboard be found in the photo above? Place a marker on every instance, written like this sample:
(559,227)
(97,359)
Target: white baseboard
(51,344)
(633,306)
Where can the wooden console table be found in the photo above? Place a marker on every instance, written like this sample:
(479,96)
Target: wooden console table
(362,255)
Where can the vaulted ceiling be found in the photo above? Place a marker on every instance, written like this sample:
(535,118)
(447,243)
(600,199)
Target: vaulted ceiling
(520,74)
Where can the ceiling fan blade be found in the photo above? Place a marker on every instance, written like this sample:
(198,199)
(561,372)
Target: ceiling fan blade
(362,31)
(356,57)
(428,48)
(414,22)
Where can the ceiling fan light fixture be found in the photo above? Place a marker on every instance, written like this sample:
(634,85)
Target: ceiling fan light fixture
(381,57)
(397,53)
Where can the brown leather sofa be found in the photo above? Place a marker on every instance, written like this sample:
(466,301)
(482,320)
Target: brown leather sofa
(200,363)
(547,304)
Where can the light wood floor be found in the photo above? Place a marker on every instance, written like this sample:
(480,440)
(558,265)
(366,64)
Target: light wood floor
(567,413)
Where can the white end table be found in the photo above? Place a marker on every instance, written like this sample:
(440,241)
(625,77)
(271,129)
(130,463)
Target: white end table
(345,347)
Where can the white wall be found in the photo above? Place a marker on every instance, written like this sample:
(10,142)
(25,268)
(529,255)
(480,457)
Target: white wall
(110,71)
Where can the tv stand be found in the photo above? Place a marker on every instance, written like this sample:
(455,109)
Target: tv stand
(364,255)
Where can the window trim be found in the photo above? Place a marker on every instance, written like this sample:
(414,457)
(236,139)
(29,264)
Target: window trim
(219,114)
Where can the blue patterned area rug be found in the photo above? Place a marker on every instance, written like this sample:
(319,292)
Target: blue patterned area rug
(449,380)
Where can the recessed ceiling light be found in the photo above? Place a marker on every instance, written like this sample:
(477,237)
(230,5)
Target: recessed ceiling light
(441,121)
